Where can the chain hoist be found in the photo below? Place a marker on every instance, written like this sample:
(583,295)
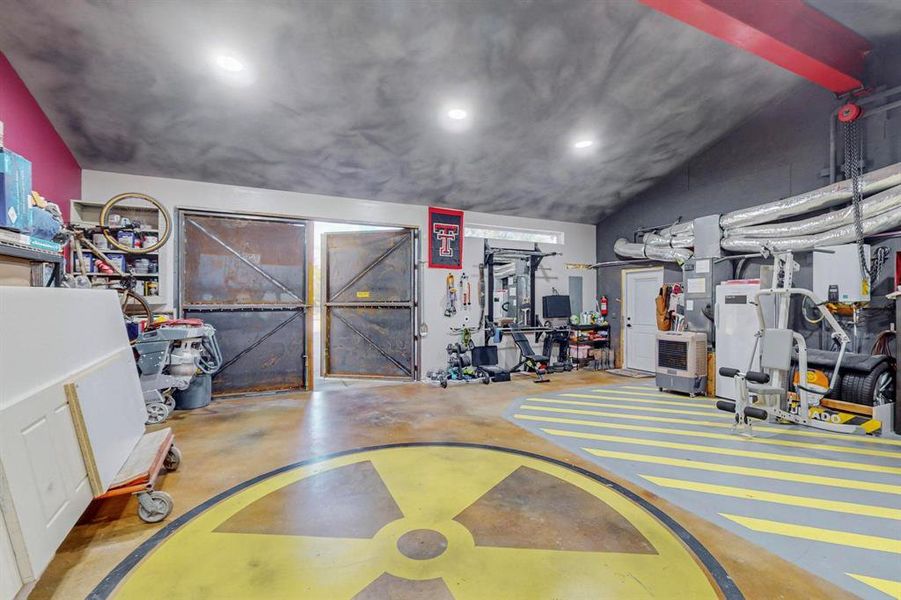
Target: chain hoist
(849,116)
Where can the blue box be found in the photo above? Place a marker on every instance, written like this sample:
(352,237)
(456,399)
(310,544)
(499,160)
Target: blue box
(15,191)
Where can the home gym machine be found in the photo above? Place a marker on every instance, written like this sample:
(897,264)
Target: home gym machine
(764,394)
(510,275)
(510,301)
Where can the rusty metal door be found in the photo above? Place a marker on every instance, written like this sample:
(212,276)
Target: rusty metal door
(247,277)
(369,306)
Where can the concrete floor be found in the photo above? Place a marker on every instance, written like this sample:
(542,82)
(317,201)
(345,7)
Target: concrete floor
(463,502)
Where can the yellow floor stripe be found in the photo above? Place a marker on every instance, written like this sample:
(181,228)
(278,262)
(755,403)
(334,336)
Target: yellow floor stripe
(698,407)
(817,534)
(656,394)
(625,402)
(716,436)
(668,411)
(725,424)
(820,462)
(850,484)
(851,508)
(886,586)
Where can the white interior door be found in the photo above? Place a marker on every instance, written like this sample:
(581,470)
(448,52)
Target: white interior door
(640,315)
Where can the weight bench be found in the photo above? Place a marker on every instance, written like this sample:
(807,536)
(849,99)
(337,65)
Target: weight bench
(484,359)
(527,356)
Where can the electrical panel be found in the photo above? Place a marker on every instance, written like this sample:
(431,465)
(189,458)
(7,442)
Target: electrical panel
(837,276)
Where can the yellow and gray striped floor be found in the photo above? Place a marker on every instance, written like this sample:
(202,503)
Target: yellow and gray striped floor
(828,502)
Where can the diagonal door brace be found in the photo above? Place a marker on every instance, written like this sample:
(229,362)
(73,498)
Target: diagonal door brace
(243,259)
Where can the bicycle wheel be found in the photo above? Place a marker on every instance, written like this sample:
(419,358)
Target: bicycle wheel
(164,232)
(134,306)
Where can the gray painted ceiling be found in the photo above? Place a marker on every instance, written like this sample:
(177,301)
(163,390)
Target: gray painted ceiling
(347,95)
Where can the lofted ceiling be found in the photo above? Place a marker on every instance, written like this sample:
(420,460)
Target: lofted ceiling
(350,98)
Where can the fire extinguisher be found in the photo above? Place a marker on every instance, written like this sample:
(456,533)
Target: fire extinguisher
(603,306)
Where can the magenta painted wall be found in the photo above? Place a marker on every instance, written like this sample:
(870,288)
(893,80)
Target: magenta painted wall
(27,131)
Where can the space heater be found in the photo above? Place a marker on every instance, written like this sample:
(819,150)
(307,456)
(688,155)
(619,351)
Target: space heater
(682,361)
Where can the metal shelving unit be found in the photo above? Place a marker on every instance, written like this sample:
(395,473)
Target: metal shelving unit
(37,256)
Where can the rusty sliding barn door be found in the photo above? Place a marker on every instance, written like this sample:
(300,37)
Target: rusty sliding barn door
(247,277)
(369,316)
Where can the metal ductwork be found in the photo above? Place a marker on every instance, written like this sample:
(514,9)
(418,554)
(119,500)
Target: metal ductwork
(626,248)
(871,207)
(836,193)
(841,235)
(751,229)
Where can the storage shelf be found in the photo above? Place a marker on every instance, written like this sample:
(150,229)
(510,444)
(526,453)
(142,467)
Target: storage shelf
(141,275)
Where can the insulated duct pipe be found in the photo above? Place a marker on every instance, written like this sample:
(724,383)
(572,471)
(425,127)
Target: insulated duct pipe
(871,207)
(623,247)
(841,235)
(836,193)
(682,241)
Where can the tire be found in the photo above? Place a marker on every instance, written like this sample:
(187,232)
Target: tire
(164,233)
(162,507)
(837,392)
(861,388)
(173,459)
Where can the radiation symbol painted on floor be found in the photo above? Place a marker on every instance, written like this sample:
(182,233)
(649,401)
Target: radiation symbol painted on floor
(421,521)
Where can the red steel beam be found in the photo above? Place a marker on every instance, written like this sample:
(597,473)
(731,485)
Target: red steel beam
(788,33)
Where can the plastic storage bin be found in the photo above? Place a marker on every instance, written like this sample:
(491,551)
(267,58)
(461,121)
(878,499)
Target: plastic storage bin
(15,190)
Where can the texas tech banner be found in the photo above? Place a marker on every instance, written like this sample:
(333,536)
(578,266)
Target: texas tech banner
(445,238)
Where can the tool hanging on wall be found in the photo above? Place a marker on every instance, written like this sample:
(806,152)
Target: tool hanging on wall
(465,291)
(481,294)
(450,300)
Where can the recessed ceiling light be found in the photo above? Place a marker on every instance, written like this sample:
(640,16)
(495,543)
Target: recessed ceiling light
(582,144)
(457,114)
(229,63)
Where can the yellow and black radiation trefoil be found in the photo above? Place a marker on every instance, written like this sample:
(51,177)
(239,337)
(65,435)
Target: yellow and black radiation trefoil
(430,520)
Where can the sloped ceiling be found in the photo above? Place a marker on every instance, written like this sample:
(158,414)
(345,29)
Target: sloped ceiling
(347,96)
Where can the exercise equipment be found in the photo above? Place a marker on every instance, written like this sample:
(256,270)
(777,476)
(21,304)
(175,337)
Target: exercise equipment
(170,354)
(558,337)
(450,300)
(528,359)
(764,394)
(484,359)
(510,278)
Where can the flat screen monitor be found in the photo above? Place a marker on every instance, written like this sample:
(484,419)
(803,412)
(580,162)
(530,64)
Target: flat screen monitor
(555,307)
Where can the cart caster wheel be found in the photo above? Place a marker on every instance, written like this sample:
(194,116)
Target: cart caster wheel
(486,379)
(153,507)
(169,401)
(443,383)
(173,459)
(660,389)
(157,412)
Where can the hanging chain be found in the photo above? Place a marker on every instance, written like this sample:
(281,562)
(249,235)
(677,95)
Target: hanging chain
(852,168)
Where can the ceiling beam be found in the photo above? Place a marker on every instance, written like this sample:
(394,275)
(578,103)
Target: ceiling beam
(788,33)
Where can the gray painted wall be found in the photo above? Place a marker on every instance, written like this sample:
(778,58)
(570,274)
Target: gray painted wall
(778,152)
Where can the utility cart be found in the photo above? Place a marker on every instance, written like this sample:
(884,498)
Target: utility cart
(156,451)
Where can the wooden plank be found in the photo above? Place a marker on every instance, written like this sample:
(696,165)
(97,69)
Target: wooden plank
(860,409)
(84,440)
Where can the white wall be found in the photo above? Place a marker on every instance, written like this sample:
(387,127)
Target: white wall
(98,186)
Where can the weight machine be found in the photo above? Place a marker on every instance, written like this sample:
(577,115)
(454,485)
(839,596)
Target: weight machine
(763,394)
